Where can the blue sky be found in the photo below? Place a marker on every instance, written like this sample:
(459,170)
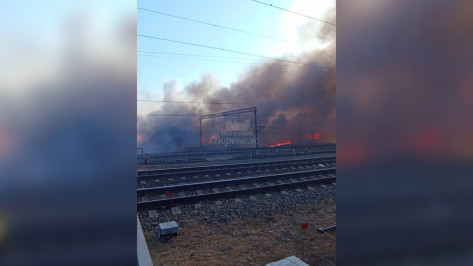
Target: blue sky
(168,63)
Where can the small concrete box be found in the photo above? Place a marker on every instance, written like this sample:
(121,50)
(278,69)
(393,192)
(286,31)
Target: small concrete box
(168,228)
(289,261)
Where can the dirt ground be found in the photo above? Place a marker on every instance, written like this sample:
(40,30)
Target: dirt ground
(250,240)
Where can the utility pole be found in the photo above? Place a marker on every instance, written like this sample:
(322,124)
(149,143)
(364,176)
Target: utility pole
(201,138)
(256,129)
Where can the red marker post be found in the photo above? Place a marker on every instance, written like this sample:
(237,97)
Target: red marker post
(304,226)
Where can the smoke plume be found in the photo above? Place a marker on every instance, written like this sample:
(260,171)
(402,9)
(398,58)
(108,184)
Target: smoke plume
(295,102)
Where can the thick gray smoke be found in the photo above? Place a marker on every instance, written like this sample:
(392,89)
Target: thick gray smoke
(294,102)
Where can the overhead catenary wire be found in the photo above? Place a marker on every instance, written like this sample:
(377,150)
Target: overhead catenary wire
(195,102)
(252,63)
(290,11)
(197,55)
(197,59)
(232,51)
(196,115)
(223,27)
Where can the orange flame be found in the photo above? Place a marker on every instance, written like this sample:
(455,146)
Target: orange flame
(281,143)
(211,139)
(315,136)
(139,138)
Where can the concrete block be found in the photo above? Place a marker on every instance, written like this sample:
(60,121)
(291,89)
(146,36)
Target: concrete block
(167,229)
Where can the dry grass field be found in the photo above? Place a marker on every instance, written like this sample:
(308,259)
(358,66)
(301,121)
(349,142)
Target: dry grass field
(250,240)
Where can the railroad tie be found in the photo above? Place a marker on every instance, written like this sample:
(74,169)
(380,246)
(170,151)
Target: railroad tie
(176,211)
(153,214)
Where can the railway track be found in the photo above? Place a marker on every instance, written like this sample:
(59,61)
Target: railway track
(162,177)
(172,195)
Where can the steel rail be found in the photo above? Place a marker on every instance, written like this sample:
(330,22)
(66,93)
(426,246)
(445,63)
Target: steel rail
(195,198)
(201,169)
